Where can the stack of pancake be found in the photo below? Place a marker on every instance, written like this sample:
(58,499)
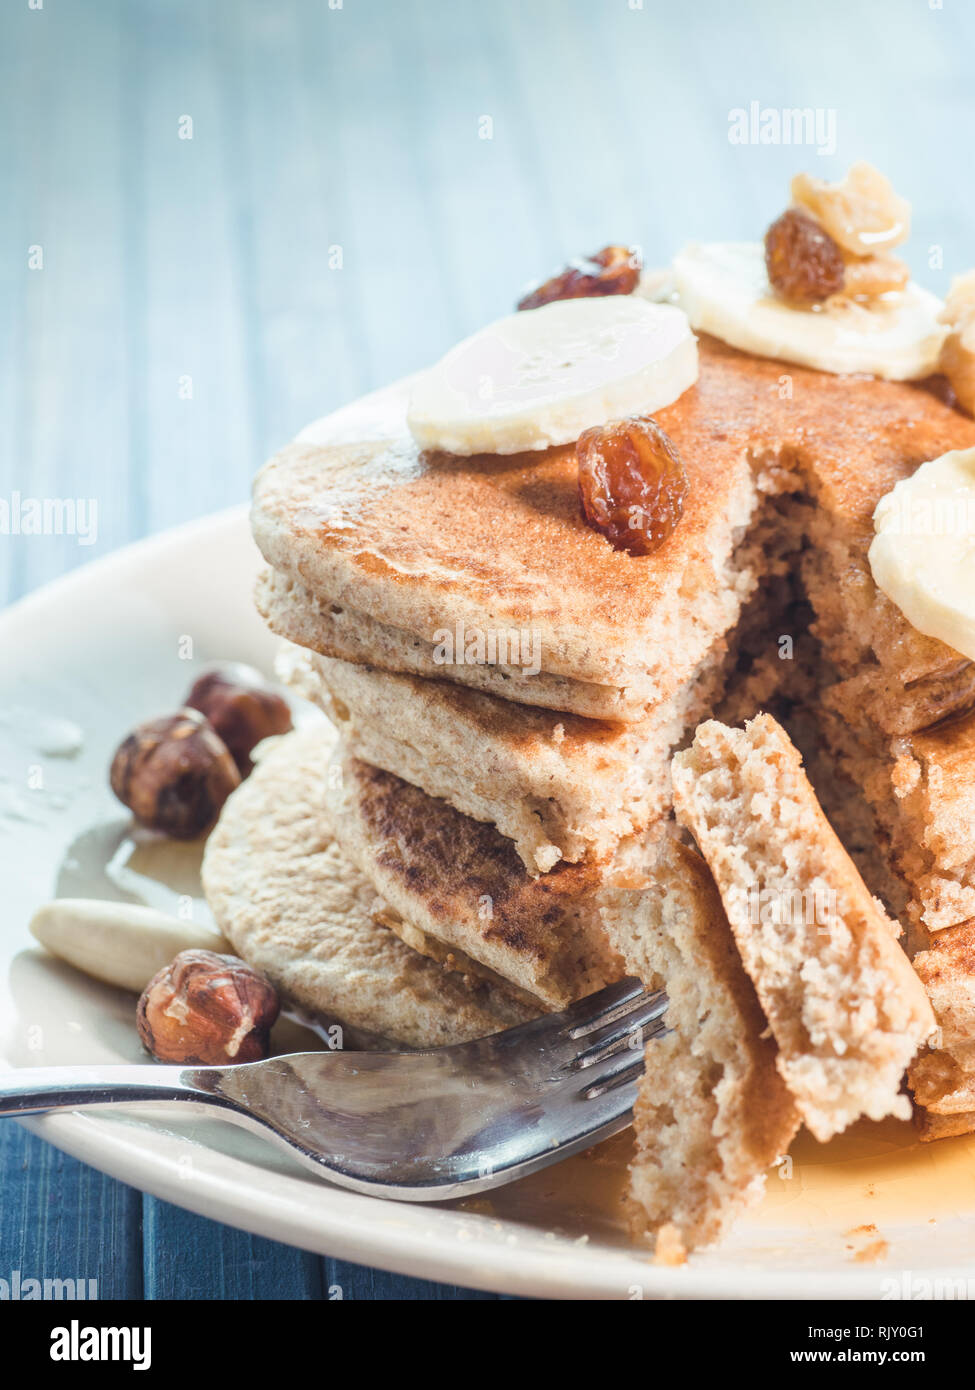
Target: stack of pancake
(506,691)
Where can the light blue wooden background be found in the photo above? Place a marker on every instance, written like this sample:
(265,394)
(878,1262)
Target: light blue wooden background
(201,265)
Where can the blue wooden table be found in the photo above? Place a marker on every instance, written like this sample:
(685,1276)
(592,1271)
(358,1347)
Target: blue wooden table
(221,218)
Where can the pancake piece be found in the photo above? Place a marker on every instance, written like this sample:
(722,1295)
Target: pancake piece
(459,882)
(845,1008)
(294,908)
(943,1077)
(558,786)
(712,1114)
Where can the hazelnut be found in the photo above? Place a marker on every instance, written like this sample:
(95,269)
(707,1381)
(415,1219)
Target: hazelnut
(867,276)
(242,707)
(207,1009)
(861,212)
(174,774)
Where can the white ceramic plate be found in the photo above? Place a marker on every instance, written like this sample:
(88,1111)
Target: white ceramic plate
(868,1216)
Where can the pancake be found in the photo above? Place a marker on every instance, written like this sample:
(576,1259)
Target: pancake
(459,882)
(921,787)
(294,612)
(421,543)
(712,1115)
(933,1126)
(560,787)
(844,1006)
(294,908)
(418,543)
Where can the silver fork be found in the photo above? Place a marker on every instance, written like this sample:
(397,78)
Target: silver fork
(416,1126)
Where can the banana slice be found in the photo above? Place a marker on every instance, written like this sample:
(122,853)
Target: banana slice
(540,377)
(724,290)
(923,553)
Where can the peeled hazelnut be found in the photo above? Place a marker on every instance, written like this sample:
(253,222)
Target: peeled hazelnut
(207,1009)
(174,774)
(867,276)
(861,212)
(242,707)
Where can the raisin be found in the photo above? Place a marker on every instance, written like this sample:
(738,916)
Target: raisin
(804,263)
(632,483)
(613,270)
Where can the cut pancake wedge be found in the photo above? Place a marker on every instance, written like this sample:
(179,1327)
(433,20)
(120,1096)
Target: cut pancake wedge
(844,1005)
(713,1114)
(459,883)
(295,908)
(559,786)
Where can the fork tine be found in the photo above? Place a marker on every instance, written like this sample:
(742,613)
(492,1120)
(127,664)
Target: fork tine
(618,1068)
(596,1010)
(622,1028)
(557,1035)
(610,1106)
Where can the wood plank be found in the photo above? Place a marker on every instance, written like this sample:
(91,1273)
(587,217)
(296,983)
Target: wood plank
(60,1219)
(68,427)
(343,1280)
(188,1257)
(192,339)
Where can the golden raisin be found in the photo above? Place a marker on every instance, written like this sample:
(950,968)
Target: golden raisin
(613,270)
(632,483)
(804,263)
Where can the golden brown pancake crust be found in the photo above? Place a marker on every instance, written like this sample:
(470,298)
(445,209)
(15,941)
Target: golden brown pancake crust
(463,883)
(437,852)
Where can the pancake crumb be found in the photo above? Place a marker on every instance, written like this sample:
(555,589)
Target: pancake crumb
(873,1253)
(669,1249)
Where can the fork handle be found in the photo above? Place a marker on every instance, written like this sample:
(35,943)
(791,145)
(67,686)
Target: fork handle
(33,1090)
